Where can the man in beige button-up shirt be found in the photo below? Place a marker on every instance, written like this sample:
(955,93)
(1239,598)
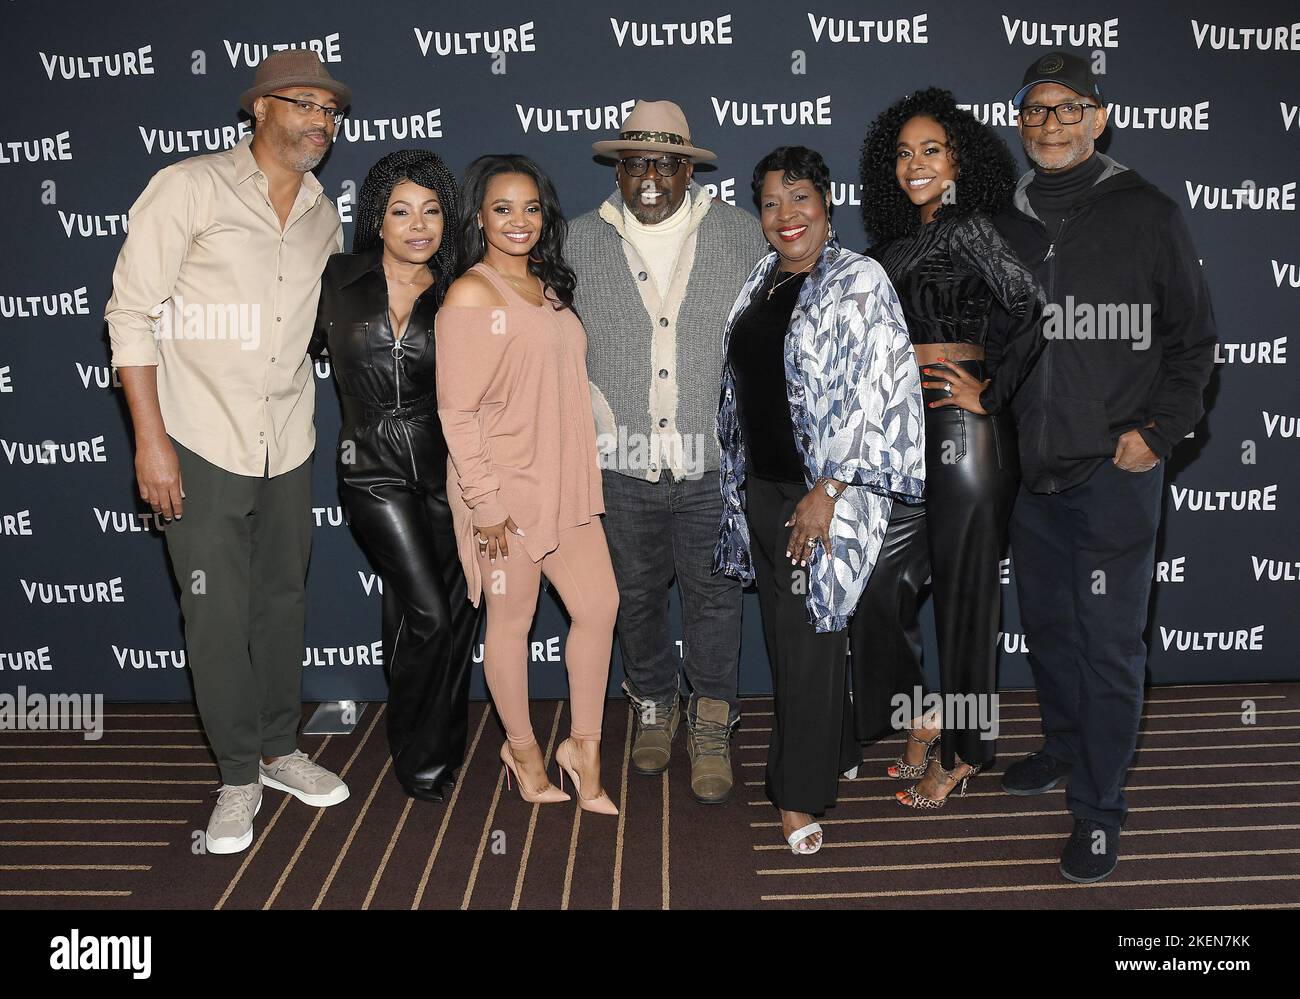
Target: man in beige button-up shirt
(232,297)
(214,301)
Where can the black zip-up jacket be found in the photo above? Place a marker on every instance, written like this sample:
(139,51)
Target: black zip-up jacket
(387,388)
(1123,244)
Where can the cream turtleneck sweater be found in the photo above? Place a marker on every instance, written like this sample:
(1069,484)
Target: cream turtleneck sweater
(659,244)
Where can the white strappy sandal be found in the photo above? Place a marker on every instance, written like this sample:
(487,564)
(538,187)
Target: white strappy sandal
(796,839)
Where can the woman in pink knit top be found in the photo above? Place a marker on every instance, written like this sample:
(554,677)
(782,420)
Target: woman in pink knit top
(515,408)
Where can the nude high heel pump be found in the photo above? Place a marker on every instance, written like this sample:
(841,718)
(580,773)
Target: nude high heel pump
(566,757)
(545,795)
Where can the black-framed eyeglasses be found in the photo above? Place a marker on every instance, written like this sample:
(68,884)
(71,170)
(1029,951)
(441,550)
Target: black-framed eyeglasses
(1071,113)
(665,166)
(335,115)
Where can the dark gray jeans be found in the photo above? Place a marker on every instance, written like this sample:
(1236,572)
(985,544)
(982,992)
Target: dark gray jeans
(658,531)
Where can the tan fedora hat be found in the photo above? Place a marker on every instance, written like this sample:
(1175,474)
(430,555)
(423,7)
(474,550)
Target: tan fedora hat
(293,68)
(654,126)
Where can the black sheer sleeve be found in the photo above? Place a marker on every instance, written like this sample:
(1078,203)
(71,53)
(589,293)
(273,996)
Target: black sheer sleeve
(1015,343)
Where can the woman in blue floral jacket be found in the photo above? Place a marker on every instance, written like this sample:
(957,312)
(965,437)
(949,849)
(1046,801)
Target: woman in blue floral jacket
(821,429)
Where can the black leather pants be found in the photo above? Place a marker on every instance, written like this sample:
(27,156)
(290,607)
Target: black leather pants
(429,627)
(885,631)
(972,473)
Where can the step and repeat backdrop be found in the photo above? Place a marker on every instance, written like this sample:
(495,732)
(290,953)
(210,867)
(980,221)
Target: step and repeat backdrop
(1204,101)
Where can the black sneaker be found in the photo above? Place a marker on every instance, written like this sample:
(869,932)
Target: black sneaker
(1035,774)
(1091,852)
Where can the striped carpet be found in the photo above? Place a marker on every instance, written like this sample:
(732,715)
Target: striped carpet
(1215,822)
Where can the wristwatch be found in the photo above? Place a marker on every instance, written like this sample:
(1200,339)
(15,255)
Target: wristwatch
(831,490)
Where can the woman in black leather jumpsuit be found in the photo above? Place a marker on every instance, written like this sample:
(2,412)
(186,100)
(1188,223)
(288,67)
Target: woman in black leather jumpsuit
(932,177)
(392,459)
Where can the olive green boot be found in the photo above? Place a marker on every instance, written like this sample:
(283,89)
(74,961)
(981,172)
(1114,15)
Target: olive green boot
(652,736)
(709,747)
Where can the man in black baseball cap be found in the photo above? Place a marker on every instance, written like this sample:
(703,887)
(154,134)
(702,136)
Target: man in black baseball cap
(1097,418)
(1065,68)
(1060,125)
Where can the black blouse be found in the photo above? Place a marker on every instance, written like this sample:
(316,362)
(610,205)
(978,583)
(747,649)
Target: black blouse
(757,359)
(959,282)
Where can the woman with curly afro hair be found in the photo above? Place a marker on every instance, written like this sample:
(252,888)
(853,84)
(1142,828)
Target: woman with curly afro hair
(376,316)
(932,178)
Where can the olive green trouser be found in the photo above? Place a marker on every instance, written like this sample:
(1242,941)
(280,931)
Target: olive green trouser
(240,554)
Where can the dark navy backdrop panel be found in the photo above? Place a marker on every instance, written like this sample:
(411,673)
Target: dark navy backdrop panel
(100,96)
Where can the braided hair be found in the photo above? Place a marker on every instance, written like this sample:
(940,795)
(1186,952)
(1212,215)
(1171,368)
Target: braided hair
(988,173)
(546,260)
(428,170)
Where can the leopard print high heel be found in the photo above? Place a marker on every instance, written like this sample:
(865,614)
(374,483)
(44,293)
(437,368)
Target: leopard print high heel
(900,769)
(925,801)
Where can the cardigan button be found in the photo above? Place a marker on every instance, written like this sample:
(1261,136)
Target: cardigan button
(642,276)
(663,423)
(663,320)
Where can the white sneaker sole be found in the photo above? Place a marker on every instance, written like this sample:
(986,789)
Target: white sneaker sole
(339,794)
(231,844)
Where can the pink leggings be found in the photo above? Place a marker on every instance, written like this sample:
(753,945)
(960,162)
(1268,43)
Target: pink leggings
(580,571)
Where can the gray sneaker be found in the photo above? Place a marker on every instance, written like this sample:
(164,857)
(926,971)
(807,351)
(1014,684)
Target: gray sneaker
(652,735)
(305,780)
(230,830)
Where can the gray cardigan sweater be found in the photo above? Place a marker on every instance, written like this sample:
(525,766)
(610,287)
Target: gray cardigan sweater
(654,356)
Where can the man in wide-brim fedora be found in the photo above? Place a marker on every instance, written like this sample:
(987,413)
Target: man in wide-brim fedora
(659,265)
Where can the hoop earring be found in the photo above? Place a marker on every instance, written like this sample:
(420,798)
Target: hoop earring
(535,260)
(830,232)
